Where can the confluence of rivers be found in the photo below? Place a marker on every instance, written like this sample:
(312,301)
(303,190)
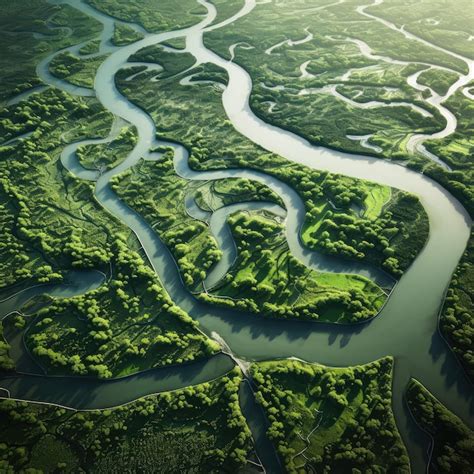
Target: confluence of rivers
(406,328)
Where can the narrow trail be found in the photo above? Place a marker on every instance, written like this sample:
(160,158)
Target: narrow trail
(407,326)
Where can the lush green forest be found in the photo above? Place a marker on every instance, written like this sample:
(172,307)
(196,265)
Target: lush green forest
(196,429)
(331,420)
(343,75)
(333,223)
(266,279)
(452,447)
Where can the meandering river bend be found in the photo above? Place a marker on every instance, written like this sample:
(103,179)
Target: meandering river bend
(406,328)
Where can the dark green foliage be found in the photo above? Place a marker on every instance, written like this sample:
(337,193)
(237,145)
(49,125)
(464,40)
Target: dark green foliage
(453,441)
(457,316)
(21,50)
(124,34)
(196,429)
(331,420)
(266,279)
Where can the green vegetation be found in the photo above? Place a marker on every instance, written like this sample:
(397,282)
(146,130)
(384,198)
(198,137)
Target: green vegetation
(77,71)
(36,32)
(155,191)
(331,420)
(170,15)
(158,194)
(266,279)
(361,220)
(201,125)
(91,47)
(176,43)
(439,80)
(172,63)
(457,316)
(127,325)
(453,441)
(124,34)
(6,362)
(430,21)
(213,195)
(226,9)
(327,79)
(108,155)
(196,429)
(50,222)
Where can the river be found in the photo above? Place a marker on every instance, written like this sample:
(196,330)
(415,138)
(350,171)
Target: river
(406,328)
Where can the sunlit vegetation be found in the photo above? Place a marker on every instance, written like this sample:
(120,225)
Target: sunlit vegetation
(127,325)
(359,220)
(176,43)
(36,32)
(309,78)
(429,20)
(438,80)
(77,71)
(155,191)
(108,155)
(170,15)
(213,195)
(91,47)
(196,429)
(226,9)
(124,34)
(457,316)
(49,220)
(172,63)
(457,150)
(266,279)
(214,143)
(331,420)
(452,440)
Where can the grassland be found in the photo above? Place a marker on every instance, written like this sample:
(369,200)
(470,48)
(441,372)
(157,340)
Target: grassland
(36,32)
(267,280)
(196,429)
(452,441)
(331,420)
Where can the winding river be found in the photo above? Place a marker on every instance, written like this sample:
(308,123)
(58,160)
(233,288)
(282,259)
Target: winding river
(406,328)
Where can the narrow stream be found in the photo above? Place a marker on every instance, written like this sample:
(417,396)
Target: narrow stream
(407,326)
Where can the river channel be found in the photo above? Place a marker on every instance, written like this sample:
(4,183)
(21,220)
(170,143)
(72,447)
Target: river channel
(406,328)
